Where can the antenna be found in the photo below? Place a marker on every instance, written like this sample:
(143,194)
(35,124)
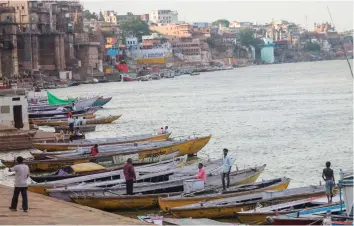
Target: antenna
(345,54)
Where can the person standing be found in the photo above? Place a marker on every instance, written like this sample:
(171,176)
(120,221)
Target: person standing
(71,123)
(201,173)
(94,150)
(21,174)
(328,177)
(73,107)
(130,177)
(226,169)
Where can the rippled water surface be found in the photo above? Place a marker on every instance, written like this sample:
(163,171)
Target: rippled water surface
(292,117)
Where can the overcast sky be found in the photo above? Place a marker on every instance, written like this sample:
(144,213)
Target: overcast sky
(253,11)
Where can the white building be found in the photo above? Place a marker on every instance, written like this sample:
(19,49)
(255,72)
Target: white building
(13,108)
(131,42)
(163,16)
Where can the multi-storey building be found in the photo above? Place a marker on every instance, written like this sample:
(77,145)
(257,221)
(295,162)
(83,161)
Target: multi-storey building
(176,30)
(163,16)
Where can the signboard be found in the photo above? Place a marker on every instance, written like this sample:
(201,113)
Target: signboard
(152,53)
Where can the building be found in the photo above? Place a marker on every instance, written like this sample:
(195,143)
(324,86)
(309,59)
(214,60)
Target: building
(163,16)
(175,30)
(13,108)
(267,51)
(237,24)
(200,25)
(145,17)
(187,49)
(323,27)
(128,16)
(151,40)
(110,17)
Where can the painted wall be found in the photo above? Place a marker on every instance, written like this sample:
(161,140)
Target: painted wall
(6,110)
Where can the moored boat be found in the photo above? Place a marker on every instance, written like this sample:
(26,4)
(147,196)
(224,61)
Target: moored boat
(172,181)
(101,101)
(44,120)
(54,113)
(175,201)
(82,128)
(101,141)
(97,120)
(161,166)
(229,206)
(70,172)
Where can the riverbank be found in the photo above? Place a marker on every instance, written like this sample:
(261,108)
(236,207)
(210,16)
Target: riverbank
(44,210)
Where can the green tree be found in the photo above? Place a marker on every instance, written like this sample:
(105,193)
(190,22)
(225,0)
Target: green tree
(247,38)
(221,21)
(135,27)
(88,15)
(312,46)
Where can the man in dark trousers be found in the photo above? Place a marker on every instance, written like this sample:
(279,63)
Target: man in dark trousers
(21,174)
(226,169)
(328,177)
(129,174)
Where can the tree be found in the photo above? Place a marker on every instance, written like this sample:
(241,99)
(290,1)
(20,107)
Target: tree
(312,46)
(134,27)
(88,15)
(224,22)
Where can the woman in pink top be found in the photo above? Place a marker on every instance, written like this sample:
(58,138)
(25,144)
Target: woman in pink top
(201,173)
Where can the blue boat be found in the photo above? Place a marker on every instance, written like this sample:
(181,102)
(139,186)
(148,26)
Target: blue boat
(101,101)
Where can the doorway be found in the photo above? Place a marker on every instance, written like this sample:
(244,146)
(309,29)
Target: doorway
(17,110)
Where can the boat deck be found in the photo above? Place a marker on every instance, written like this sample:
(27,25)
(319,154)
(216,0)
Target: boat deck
(44,210)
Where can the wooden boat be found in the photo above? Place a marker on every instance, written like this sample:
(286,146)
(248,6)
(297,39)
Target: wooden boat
(275,184)
(74,84)
(70,172)
(311,216)
(117,157)
(161,166)
(53,113)
(194,73)
(260,215)
(80,104)
(164,182)
(140,201)
(82,129)
(101,101)
(103,141)
(229,206)
(117,202)
(129,79)
(39,121)
(64,122)
(189,221)
(137,151)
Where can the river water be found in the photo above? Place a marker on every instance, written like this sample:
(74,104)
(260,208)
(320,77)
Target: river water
(292,117)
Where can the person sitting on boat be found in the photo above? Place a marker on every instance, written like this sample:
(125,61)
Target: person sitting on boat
(62,172)
(328,177)
(162,131)
(201,173)
(94,150)
(83,121)
(129,174)
(166,130)
(76,121)
(226,169)
(73,107)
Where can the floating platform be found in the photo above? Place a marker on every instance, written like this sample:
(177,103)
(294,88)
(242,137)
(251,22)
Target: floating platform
(44,210)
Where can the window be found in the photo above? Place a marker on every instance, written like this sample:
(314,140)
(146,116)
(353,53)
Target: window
(5,110)
(16,99)
(22,7)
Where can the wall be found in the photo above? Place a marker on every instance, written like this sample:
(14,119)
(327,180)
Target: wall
(8,118)
(177,30)
(267,54)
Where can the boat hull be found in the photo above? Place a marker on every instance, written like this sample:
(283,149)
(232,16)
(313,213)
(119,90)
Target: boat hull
(91,121)
(297,221)
(231,210)
(122,202)
(82,129)
(71,146)
(43,121)
(166,204)
(101,101)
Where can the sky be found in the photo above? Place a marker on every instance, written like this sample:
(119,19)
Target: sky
(305,13)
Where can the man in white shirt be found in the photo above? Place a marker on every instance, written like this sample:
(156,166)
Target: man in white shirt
(73,107)
(21,174)
(226,169)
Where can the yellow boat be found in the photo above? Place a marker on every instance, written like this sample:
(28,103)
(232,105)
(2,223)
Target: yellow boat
(140,152)
(120,202)
(101,120)
(276,184)
(103,141)
(228,207)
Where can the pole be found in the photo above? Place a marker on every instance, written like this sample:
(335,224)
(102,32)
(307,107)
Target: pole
(340,191)
(345,54)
